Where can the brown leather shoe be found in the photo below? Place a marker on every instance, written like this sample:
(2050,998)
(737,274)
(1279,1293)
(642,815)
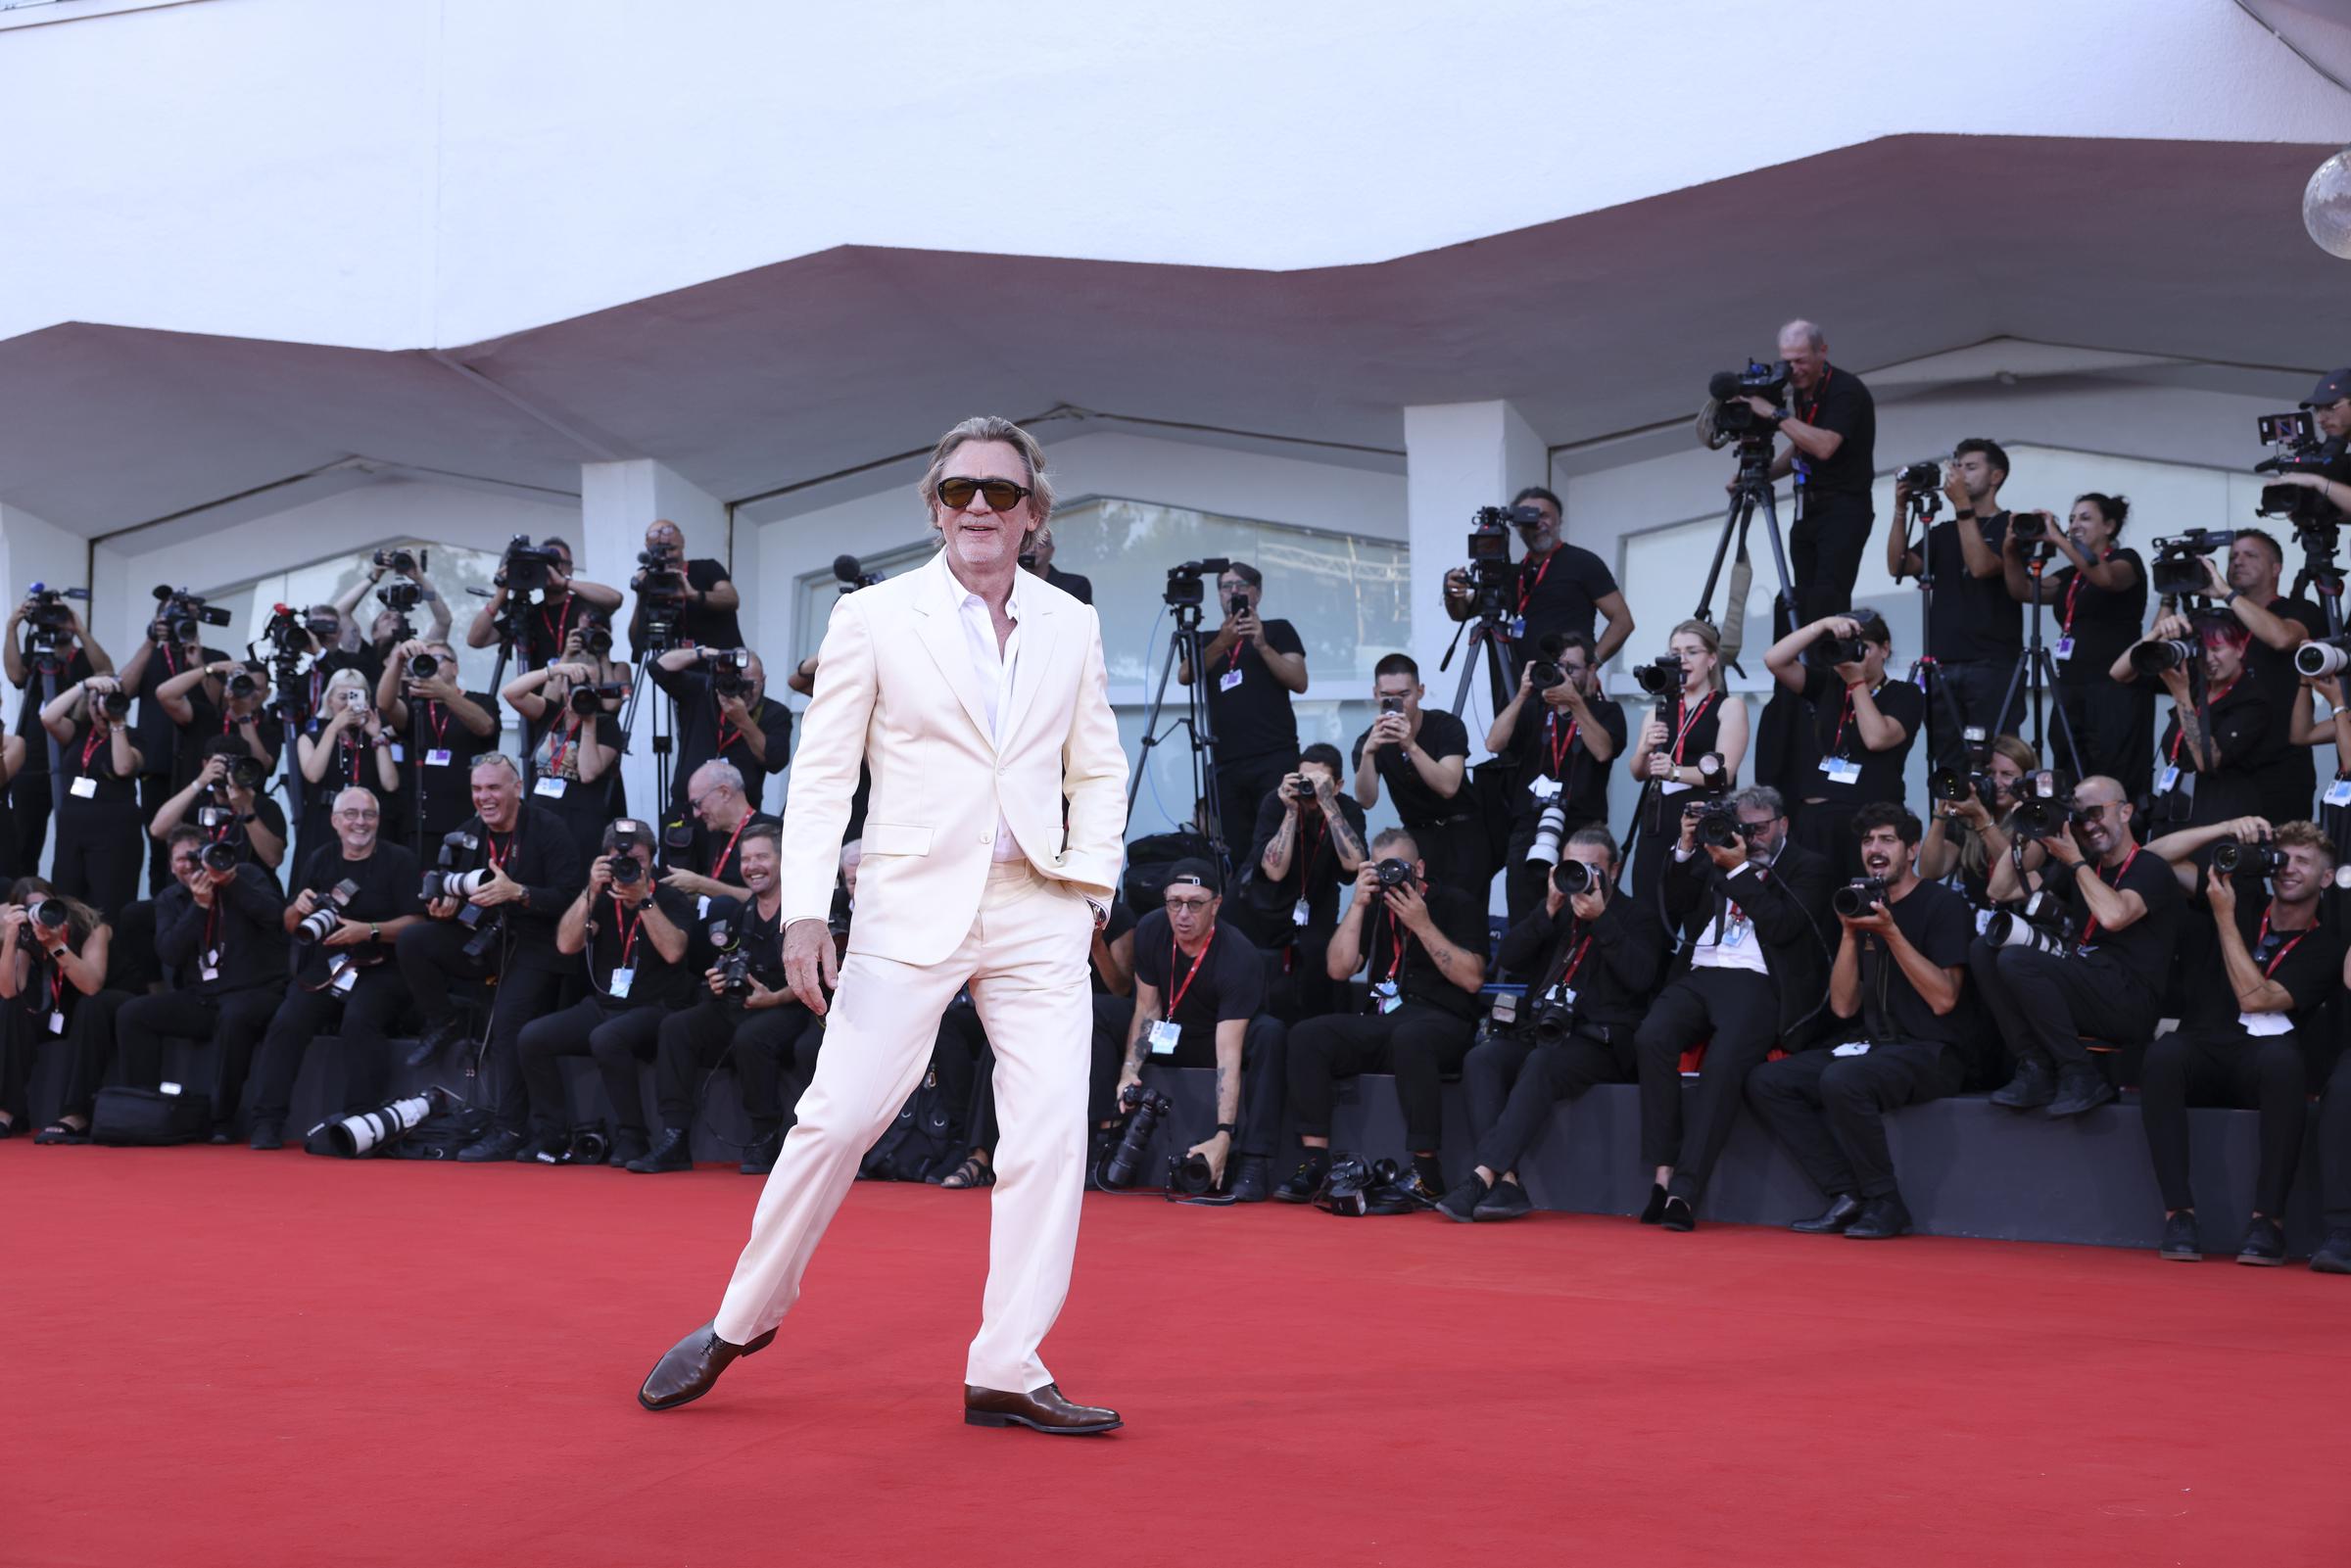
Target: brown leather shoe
(1043,1409)
(690,1368)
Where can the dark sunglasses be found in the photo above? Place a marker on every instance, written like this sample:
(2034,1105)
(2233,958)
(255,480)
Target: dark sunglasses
(1003,494)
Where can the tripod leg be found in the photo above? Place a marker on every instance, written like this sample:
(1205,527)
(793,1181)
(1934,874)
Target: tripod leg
(1159,698)
(1779,551)
(1201,730)
(2065,726)
(1460,690)
(1498,667)
(1733,522)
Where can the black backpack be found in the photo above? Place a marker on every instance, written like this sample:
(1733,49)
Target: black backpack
(926,1139)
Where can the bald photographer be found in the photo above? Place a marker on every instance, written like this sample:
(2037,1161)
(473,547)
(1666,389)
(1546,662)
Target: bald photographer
(1831,424)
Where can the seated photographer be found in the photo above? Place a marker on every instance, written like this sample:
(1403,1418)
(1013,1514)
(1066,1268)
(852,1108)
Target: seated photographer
(2205,762)
(53,971)
(546,622)
(1563,743)
(74,656)
(1971,831)
(579,745)
(220,934)
(698,597)
(1554,588)
(173,645)
(1592,957)
(724,713)
(1309,844)
(1832,428)
(100,852)
(518,870)
(1038,558)
(2251,1045)
(2045,990)
(1895,989)
(708,864)
(1254,667)
(2100,599)
(1422,756)
(1697,719)
(344,746)
(229,799)
(1750,904)
(1863,721)
(355,895)
(1424,954)
(441,726)
(1200,1001)
(1975,632)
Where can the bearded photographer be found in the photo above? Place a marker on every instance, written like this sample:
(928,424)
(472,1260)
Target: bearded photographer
(221,936)
(1864,724)
(724,713)
(1556,587)
(633,932)
(2100,600)
(2107,975)
(79,658)
(1423,945)
(1832,428)
(2206,761)
(1975,632)
(1422,757)
(1751,906)
(53,974)
(99,848)
(529,872)
(1895,987)
(443,725)
(697,595)
(344,746)
(1309,844)
(344,978)
(1253,668)
(2250,1045)
(544,626)
(1594,958)
(1563,743)
(229,801)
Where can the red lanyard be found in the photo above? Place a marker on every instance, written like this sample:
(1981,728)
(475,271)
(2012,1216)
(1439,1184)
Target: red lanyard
(2279,958)
(497,857)
(2091,930)
(1575,962)
(2073,591)
(90,747)
(718,867)
(2210,702)
(1812,408)
(557,627)
(1561,748)
(1690,723)
(560,744)
(1526,590)
(211,923)
(1398,939)
(1174,952)
(1234,662)
(628,932)
(724,739)
(438,717)
(1846,713)
(1321,832)
(351,743)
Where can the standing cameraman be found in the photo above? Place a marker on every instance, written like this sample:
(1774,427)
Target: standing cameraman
(1975,632)
(1863,722)
(1308,845)
(99,846)
(1255,667)
(173,643)
(1832,431)
(724,712)
(2100,595)
(1594,957)
(1423,758)
(546,624)
(1557,588)
(80,658)
(1563,745)
(698,594)
(229,801)
(444,726)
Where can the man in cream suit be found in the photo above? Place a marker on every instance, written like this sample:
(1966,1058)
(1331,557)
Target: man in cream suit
(975,693)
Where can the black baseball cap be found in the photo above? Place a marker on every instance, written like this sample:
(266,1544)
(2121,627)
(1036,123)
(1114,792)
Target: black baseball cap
(1198,873)
(2333,387)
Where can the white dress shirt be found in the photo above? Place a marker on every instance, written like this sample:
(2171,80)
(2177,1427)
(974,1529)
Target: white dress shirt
(1729,941)
(994,667)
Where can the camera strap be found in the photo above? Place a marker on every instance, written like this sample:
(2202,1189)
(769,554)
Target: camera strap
(559,627)
(1561,744)
(1567,970)
(1689,722)
(1526,589)
(89,746)
(2073,592)
(2270,969)
(718,867)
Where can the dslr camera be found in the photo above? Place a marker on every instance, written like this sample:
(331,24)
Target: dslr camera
(2236,859)
(2038,923)
(1489,556)
(1145,1109)
(733,964)
(1390,873)
(1718,821)
(321,922)
(1950,783)
(1922,483)
(589,701)
(1188,582)
(1661,677)
(2177,568)
(1858,897)
(1573,877)
(2044,805)
(730,671)
(49,621)
(217,857)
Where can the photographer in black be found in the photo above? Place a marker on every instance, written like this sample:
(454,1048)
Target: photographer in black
(357,894)
(53,991)
(1254,667)
(402,567)
(724,712)
(569,708)
(1556,588)
(1563,743)
(1975,631)
(2286,778)
(1309,844)
(1864,724)
(2253,1043)
(54,640)
(1751,906)
(1038,558)
(1592,959)
(1425,957)
(229,799)
(1423,758)
(1832,428)
(546,620)
(1895,985)
(99,848)
(1975,830)
(2205,762)
(2103,978)
(439,725)
(226,697)
(219,935)
(709,864)
(2100,600)
(695,597)
(633,932)
(173,645)
(517,870)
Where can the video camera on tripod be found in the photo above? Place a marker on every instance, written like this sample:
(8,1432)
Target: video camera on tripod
(523,570)
(1188,582)
(1728,415)
(49,621)
(1488,567)
(403,594)
(182,616)
(661,588)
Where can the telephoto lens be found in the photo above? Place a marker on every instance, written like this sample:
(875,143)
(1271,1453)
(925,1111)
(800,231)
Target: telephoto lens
(584,702)
(2323,656)
(1573,877)
(2009,928)
(116,704)
(2236,859)
(596,641)
(242,685)
(2162,654)
(1145,1107)
(627,870)
(246,772)
(1550,829)
(321,922)
(219,857)
(1947,783)
(50,914)
(1856,898)
(1661,677)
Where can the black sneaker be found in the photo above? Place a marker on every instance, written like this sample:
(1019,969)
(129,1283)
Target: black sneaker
(2081,1091)
(1656,1208)
(2333,1256)
(672,1151)
(2035,1084)
(490,1146)
(2180,1239)
(1504,1200)
(1677,1215)
(1250,1180)
(436,1039)
(761,1157)
(1305,1182)
(269,1134)
(223,1132)
(2264,1245)
(628,1148)
(1461,1202)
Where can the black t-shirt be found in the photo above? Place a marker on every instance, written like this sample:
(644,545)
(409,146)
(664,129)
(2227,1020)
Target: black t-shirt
(1461,921)
(616,936)
(697,625)
(1251,716)
(388,890)
(218,821)
(2145,946)
(1441,735)
(719,856)
(1314,870)
(1975,620)
(1551,751)
(1078,588)
(90,755)
(160,740)
(245,928)
(2288,777)
(699,736)
(2102,624)
(1840,736)
(1226,981)
(439,751)
(28,708)
(1938,924)
(1842,404)
(1561,592)
(1611,978)
(2240,725)
(2305,963)
(540,854)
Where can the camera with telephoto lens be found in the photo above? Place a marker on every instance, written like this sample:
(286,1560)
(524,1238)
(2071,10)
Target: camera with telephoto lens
(1388,874)
(2323,656)
(730,671)
(1573,877)
(2044,805)
(184,615)
(1856,898)
(1145,1109)
(2295,448)
(1190,1177)
(445,880)
(2039,924)
(50,915)
(243,686)
(398,562)
(523,571)
(2236,859)
(587,701)
(1728,390)
(2032,531)
(245,772)
(1545,673)
(219,857)
(424,667)
(1551,829)
(1661,677)
(115,705)
(1950,783)
(321,922)
(596,640)
(1718,826)
(1187,586)
(2178,565)
(627,870)
(2163,654)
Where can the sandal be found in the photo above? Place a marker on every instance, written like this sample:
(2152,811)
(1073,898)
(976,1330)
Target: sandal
(973,1172)
(62,1133)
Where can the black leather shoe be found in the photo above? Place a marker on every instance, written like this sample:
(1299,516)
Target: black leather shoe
(2333,1256)
(1461,1202)
(222,1132)
(2264,1245)
(2035,1084)
(1040,1411)
(1842,1212)
(1504,1200)
(690,1368)
(672,1151)
(761,1157)
(539,1150)
(1879,1220)
(1305,1182)
(628,1148)
(490,1146)
(269,1134)
(1677,1215)
(2077,1092)
(2180,1239)
(436,1039)
(1249,1179)
(1655,1210)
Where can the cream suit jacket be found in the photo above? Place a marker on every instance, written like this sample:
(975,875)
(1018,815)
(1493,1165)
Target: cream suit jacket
(895,689)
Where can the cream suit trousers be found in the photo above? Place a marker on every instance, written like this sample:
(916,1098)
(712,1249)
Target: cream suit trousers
(1025,958)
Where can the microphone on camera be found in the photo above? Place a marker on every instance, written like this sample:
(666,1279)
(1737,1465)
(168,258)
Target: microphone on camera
(845,568)
(1723,385)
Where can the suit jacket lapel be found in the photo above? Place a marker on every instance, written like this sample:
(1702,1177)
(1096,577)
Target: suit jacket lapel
(1037,635)
(939,628)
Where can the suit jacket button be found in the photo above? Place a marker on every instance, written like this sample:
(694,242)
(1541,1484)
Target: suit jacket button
(988,837)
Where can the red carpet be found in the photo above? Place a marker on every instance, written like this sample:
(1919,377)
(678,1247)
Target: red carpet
(225,1357)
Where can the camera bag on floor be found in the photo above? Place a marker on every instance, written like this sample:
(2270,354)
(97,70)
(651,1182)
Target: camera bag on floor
(133,1119)
(1355,1189)
(1148,861)
(923,1141)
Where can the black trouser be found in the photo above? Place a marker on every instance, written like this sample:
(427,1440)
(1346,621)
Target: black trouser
(1525,882)
(362,1023)
(1459,853)
(2335,1145)
(154,790)
(1243,784)
(88,1041)
(1824,553)
(1298,985)
(99,852)
(1416,1042)
(130,961)
(2223,1066)
(28,803)
(432,958)
(1975,688)
(1825,827)
(617,1036)
(1511,1084)
(1737,1013)
(1830,1109)
(2114,729)
(2044,1002)
(231,1019)
(694,1040)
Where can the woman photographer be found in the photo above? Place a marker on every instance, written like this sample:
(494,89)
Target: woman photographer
(100,852)
(2203,764)
(446,728)
(2100,599)
(345,746)
(53,960)
(1705,719)
(1969,835)
(578,747)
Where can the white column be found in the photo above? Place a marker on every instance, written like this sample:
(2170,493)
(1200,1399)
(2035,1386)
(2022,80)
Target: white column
(1460,456)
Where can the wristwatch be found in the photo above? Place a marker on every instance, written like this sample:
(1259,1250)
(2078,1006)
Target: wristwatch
(1228,1129)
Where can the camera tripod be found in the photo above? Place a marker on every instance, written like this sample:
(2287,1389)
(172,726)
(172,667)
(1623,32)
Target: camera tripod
(1750,491)
(1485,635)
(2319,571)
(1184,642)
(1927,670)
(664,734)
(2037,672)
